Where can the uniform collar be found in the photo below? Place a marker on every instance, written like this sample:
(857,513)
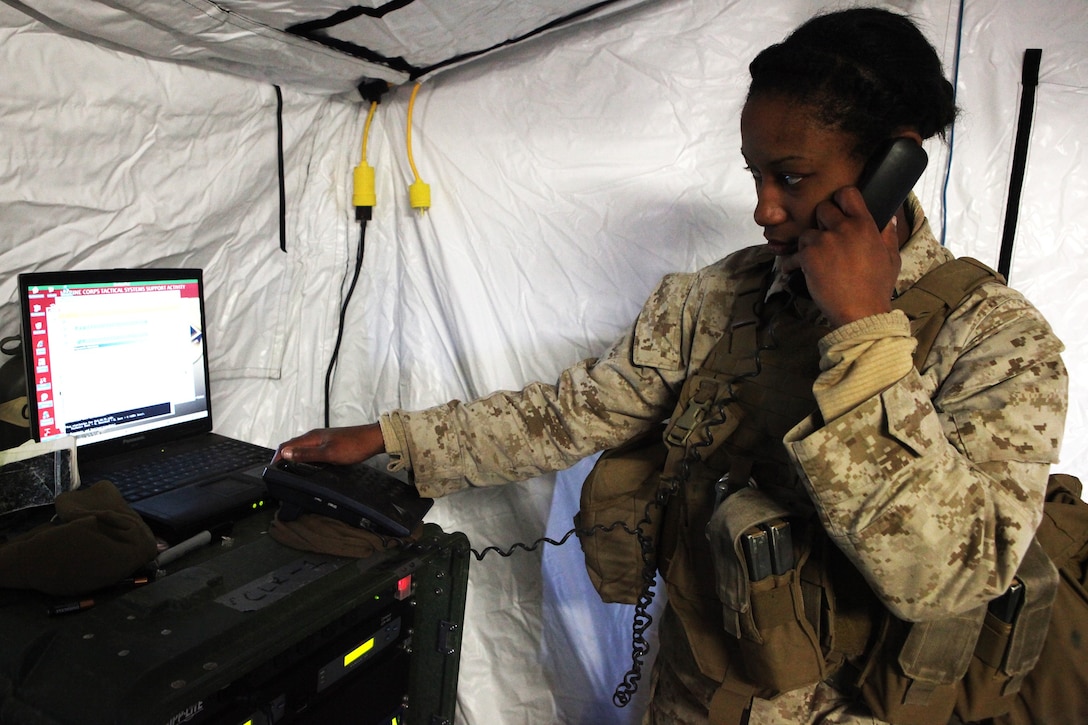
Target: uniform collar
(922,252)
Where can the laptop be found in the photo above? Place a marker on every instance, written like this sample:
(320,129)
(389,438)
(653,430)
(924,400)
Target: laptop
(118,359)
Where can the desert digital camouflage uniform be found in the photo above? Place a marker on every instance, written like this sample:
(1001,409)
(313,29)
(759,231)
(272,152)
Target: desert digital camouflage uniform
(930,480)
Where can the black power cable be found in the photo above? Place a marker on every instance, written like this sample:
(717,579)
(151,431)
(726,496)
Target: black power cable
(343,317)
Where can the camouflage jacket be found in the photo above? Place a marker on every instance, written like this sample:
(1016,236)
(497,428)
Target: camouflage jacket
(932,485)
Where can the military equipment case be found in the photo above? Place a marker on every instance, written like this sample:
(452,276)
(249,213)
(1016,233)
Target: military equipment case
(256,632)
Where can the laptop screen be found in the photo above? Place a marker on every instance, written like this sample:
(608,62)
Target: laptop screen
(115,355)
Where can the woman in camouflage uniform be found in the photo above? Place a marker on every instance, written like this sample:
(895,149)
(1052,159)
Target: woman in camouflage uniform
(928,479)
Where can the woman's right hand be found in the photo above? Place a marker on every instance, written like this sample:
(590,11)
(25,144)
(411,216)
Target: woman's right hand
(352,444)
(850,266)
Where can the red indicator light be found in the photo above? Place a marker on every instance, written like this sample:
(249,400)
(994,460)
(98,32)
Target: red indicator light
(404,587)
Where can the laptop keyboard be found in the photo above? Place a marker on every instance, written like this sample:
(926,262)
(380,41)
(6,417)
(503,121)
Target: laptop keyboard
(153,477)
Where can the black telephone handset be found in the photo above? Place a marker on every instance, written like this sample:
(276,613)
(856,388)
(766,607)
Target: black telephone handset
(884,183)
(889,176)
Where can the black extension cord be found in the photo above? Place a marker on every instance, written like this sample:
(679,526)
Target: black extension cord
(343,317)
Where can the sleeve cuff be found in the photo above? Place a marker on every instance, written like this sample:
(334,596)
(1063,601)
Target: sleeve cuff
(393,433)
(862,359)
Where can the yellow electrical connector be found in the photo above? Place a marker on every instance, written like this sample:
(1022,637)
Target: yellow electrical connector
(419,193)
(363,197)
(364,184)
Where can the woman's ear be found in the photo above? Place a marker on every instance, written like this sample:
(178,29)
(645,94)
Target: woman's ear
(911,134)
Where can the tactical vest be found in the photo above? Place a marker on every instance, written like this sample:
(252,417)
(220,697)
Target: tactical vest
(741,551)
(730,419)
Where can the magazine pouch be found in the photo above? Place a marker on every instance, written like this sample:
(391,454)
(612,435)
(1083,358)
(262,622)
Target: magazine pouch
(757,561)
(913,671)
(1011,639)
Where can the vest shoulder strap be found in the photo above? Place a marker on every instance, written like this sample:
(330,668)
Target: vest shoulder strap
(927,304)
(933,297)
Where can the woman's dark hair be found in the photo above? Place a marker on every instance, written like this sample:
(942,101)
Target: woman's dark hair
(864,71)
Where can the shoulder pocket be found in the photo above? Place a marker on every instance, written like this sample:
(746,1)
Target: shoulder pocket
(659,328)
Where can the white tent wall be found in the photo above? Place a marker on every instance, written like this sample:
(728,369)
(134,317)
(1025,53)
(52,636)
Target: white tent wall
(110,160)
(568,174)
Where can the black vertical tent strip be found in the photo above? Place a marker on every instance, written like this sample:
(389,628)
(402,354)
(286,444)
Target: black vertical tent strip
(1029,81)
(279,168)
